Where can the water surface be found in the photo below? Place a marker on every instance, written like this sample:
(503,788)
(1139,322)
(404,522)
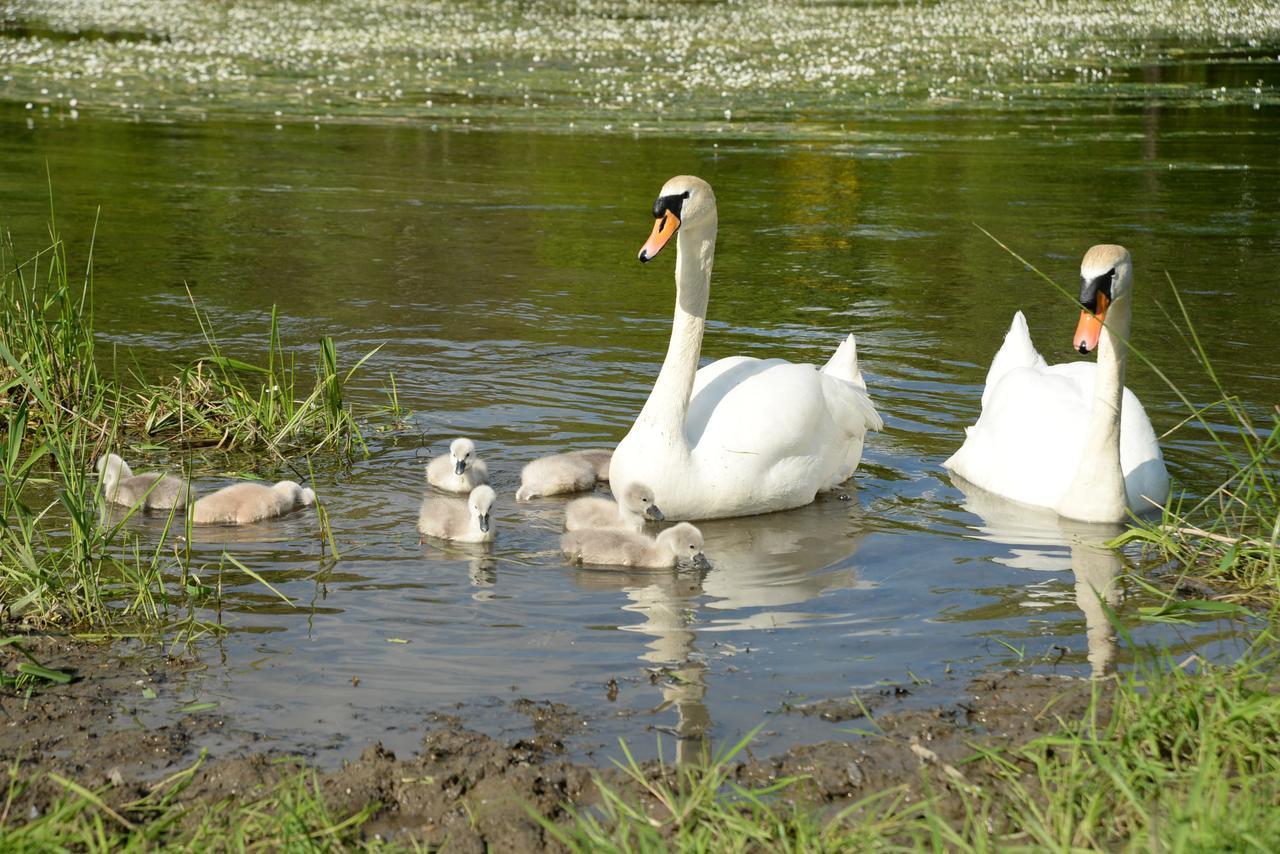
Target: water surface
(497,272)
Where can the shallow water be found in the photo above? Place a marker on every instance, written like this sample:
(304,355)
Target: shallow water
(497,272)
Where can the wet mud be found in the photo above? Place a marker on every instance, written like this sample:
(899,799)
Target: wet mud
(470,791)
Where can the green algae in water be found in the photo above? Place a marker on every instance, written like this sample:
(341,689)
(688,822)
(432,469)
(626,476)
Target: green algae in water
(761,67)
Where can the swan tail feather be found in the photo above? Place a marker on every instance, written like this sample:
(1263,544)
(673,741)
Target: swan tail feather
(851,407)
(843,364)
(1017,351)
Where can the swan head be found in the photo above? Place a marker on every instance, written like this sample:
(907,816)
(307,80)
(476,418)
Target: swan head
(480,502)
(462,452)
(685,541)
(638,498)
(1105,276)
(683,201)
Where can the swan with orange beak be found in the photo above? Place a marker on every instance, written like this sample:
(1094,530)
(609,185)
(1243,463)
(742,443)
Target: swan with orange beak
(1069,437)
(740,435)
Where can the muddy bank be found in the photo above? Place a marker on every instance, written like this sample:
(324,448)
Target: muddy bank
(467,789)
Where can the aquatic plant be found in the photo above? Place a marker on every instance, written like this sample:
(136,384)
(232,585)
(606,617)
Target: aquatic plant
(1232,533)
(606,63)
(62,559)
(230,403)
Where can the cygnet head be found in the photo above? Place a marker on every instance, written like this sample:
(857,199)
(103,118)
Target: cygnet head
(112,467)
(1106,275)
(638,498)
(296,492)
(685,541)
(684,202)
(463,454)
(480,502)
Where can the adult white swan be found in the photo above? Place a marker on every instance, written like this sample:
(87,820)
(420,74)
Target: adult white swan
(1069,437)
(741,435)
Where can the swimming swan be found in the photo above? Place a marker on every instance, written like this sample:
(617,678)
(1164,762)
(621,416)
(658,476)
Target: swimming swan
(617,547)
(739,436)
(154,491)
(461,471)
(630,511)
(463,522)
(1069,437)
(575,471)
(246,503)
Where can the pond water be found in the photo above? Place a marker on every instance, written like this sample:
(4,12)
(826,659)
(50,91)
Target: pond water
(497,272)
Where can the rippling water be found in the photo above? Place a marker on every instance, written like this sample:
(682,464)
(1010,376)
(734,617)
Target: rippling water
(497,272)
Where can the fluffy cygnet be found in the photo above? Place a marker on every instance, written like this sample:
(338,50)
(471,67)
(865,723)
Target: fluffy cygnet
(576,471)
(246,503)
(618,547)
(154,491)
(461,471)
(463,522)
(629,512)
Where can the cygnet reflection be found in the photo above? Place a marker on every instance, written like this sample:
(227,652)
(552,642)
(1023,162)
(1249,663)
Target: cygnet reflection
(779,560)
(1044,541)
(665,601)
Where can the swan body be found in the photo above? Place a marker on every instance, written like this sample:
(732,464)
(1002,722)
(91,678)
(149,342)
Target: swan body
(630,511)
(741,435)
(152,491)
(619,547)
(246,503)
(461,471)
(1069,437)
(575,471)
(462,522)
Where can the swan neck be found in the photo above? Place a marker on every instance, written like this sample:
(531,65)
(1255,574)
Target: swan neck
(1098,492)
(668,403)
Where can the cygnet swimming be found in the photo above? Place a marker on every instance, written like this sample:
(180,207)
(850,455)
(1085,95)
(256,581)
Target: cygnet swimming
(246,503)
(460,471)
(575,471)
(630,511)
(153,490)
(463,522)
(618,547)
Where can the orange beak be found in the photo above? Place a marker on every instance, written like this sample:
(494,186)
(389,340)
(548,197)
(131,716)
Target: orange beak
(1090,328)
(663,230)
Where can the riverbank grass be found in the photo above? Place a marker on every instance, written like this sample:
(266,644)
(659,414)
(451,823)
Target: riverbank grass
(65,559)
(1169,756)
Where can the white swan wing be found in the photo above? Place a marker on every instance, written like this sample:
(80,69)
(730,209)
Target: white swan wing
(1027,442)
(1017,351)
(766,434)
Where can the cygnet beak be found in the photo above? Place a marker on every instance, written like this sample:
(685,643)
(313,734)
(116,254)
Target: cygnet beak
(484,523)
(700,561)
(459,466)
(652,512)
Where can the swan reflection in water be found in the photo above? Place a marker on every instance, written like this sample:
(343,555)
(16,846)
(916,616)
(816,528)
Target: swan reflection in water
(1046,542)
(759,566)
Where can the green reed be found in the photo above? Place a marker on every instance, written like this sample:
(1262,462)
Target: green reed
(64,559)
(227,402)
(1232,533)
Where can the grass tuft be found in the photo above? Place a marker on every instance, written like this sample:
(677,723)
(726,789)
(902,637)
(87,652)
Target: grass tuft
(64,557)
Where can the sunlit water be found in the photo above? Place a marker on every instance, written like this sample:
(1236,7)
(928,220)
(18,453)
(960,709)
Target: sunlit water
(497,273)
